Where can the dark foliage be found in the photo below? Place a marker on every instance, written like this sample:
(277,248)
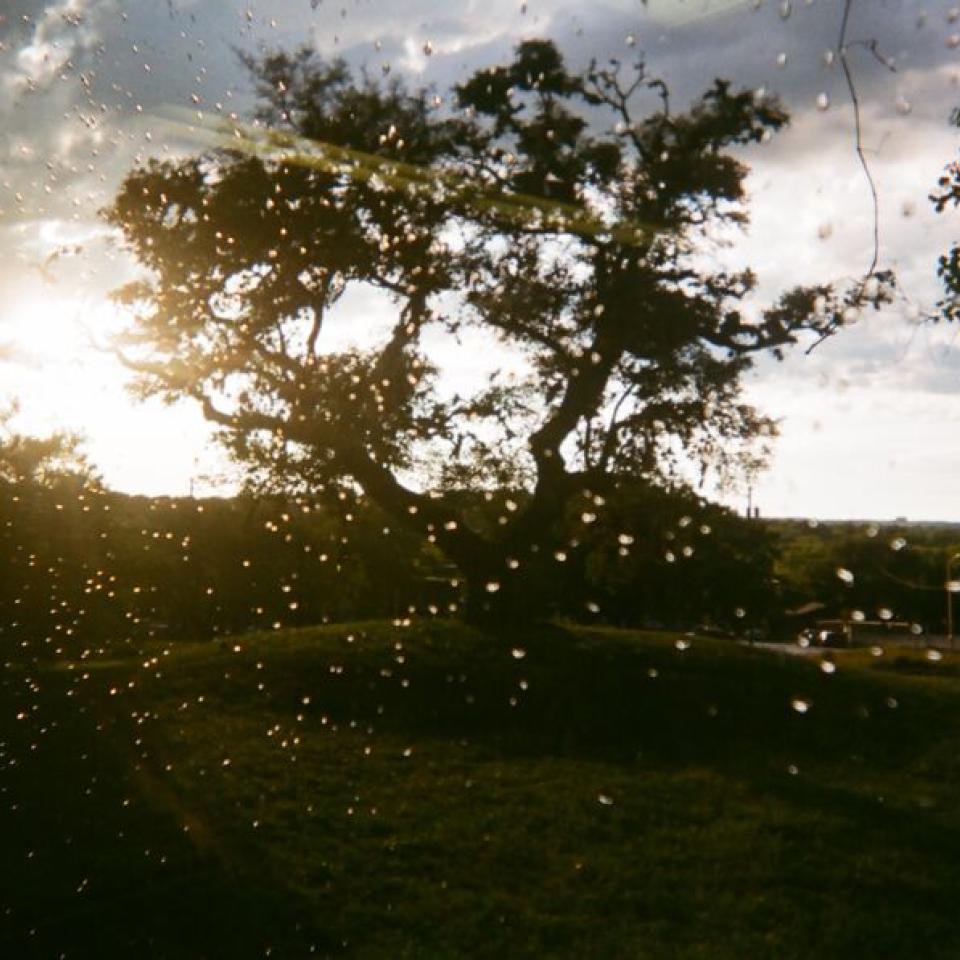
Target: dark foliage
(948,268)
(84,569)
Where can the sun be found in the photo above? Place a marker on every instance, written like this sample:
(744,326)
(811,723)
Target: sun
(56,369)
(53,369)
(45,330)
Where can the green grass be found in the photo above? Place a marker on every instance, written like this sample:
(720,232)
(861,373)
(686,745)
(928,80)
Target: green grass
(432,792)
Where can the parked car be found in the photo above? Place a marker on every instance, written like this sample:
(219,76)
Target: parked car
(830,638)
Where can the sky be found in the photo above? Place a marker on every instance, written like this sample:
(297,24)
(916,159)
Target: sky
(869,421)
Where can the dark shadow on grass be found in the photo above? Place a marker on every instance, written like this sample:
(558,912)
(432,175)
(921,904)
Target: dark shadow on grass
(892,913)
(97,866)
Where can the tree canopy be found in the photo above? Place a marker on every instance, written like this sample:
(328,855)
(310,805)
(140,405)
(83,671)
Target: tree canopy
(560,219)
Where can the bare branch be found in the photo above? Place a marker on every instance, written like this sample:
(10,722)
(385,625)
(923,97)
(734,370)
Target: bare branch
(858,131)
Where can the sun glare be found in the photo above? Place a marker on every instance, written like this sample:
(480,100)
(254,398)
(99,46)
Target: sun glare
(63,378)
(54,330)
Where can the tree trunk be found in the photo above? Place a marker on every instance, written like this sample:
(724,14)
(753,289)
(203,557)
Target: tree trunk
(500,598)
(500,593)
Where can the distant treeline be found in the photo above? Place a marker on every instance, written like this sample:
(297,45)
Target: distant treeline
(81,567)
(872,571)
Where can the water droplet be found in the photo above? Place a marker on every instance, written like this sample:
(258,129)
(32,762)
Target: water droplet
(682,644)
(934,654)
(518,653)
(828,666)
(845,575)
(823,102)
(605,799)
(898,543)
(492,586)
(800,705)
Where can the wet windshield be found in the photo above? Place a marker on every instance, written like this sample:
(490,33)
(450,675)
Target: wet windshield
(478,478)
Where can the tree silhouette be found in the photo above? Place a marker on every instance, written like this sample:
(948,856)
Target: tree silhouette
(42,460)
(534,207)
(948,267)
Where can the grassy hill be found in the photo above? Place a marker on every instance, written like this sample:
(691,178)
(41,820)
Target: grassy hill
(382,790)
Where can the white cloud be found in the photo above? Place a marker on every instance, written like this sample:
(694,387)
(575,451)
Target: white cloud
(862,453)
(60,32)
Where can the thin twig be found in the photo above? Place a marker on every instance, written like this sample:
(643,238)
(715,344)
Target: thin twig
(874,48)
(861,156)
(858,128)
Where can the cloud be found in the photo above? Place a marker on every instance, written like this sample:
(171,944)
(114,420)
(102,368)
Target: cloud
(60,32)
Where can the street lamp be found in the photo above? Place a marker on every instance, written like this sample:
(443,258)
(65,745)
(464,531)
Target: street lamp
(951,589)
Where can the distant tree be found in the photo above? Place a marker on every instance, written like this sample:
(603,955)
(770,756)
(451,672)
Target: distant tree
(948,267)
(534,206)
(43,460)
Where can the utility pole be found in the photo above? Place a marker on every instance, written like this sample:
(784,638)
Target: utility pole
(949,585)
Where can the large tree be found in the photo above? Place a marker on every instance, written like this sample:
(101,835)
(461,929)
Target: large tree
(534,205)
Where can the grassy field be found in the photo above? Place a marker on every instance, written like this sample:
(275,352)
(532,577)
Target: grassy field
(426,791)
